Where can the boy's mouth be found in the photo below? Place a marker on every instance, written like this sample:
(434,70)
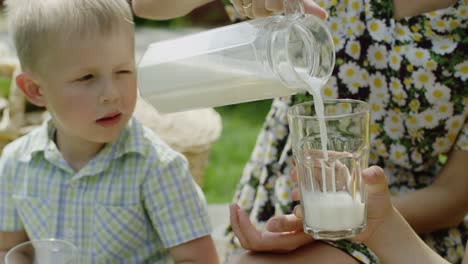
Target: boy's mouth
(109,120)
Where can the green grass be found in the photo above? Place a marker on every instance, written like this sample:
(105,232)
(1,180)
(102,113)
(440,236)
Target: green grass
(4,86)
(241,125)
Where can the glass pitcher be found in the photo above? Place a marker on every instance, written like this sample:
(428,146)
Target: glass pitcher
(248,61)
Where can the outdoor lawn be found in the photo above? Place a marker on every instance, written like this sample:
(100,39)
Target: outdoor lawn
(241,124)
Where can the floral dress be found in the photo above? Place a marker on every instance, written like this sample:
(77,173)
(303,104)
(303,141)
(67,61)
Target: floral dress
(413,73)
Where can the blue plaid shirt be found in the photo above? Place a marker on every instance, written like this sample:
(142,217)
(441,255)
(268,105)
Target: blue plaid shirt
(129,204)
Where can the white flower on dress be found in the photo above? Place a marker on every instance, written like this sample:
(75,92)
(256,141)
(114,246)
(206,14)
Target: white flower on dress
(440,24)
(402,33)
(429,118)
(380,148)
(377,55)
(378,87)
(412,122)
(355,6)
(400,98)
(377,109)
(437,93)
(462,12)
(441,145)
(444,108)
(399,95)
(373,158)
(423,78)
(455,235)
(349,74)
(431,65)
(258,153)
(360,256)
(399,154)
(353,49)
(417,56)
(330,89)
(338,41)
(443,45)
(363,78)
(395,85)
(393,125)
(270,153)
(453,23)
(416,157)
(358,28)
(394,60)
(461,70)
(454,124)
(334,24)
(323,3)
(260,199)
(283,190)
(246,197)
(377,29)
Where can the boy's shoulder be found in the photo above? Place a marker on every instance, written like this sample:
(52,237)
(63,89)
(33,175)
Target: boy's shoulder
(155,149)
(25,145)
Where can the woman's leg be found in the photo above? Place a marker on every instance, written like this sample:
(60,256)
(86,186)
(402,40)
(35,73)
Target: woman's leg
(316,252)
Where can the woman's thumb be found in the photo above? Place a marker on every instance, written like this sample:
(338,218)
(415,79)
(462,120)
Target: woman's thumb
(376,182)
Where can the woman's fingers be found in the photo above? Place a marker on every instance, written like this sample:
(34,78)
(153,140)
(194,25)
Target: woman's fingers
(313,8)
(295,195)
(236,228)
(259,9)
(284,223)
(274,5)
(252,239)
(293,174)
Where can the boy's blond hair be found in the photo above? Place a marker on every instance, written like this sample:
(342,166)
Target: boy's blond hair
(37,24)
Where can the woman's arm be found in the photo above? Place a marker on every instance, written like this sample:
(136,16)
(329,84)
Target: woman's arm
(165,9)
(405,8)
(441,205)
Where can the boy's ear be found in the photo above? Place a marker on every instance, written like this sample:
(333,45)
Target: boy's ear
(31,89)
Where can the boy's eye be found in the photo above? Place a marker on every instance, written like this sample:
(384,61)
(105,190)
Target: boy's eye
(124,72)
(85,78)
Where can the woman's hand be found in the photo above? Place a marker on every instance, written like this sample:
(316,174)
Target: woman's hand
(288,239)
(379,205)
(264,8)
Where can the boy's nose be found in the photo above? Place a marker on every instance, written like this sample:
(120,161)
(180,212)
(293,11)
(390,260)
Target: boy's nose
(109,93)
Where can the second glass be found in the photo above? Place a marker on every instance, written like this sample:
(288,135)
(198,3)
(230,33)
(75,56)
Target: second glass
(333,197)
(46,251)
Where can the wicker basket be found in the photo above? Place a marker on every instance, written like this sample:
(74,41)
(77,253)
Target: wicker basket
(191,132)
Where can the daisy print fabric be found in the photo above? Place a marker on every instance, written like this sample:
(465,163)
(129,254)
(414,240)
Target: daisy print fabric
(413,73)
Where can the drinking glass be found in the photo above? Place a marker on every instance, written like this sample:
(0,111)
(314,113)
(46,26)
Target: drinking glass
(333,196)
(47,251)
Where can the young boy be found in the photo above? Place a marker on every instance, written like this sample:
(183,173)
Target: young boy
(93,175)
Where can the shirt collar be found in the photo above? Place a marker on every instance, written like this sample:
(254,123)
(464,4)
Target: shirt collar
(130,140)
